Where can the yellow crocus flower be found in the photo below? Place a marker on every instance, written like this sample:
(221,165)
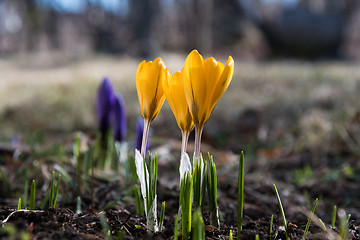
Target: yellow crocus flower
(175,94)
(149,78)
(205,82)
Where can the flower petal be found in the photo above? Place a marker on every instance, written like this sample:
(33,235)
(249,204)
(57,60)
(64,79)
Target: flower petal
(223,83)
(185,165)
(195,85)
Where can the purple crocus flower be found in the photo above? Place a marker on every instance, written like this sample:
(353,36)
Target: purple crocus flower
(119,118)
(139,135)
(104,106)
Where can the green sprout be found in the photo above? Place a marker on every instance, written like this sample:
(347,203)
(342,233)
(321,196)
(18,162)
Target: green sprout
(105,226)
(212,194)
(231,235)
(257,237)
(32,196)
(78,205)
(148,175)
(186,188)
(54,190)
(198,229)
(176,227)
(271,225)
(344,228)
(162,216)
(240,208)
(139,203)
(199,182)
(309,220)
(333,218)
(281,211)
(19,204)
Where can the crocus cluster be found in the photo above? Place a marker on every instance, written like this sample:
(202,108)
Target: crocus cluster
(192,93)
(110,112)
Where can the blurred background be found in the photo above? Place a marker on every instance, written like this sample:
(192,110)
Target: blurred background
(296,77)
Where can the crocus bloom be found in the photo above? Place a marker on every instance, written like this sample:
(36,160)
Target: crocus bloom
(149,77)
(205,83)
(119,118)
(139,135)
(175,95)
(104,105)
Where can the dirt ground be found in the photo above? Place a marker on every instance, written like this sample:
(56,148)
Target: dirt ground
(297,122)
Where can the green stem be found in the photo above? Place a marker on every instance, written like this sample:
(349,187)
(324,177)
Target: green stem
(145,137)
(198,133)
(184,141)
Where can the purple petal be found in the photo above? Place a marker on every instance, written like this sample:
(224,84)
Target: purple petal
(119,118)
(104,106)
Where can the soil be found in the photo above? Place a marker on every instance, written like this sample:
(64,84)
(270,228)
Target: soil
(109,196)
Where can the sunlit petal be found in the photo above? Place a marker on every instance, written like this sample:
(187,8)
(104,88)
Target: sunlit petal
(223,83)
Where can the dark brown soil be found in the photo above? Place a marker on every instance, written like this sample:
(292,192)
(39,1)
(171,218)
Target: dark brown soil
(110,196)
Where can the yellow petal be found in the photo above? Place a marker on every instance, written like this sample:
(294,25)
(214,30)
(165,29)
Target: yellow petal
(138,83)
(195,85)
(213,71)
(223,83)
(175,95)
(149,87)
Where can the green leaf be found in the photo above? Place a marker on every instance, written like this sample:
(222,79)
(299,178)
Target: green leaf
(32,196)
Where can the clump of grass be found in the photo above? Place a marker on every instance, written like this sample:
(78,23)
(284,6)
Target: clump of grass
(185,202)
(199,176)
(54,190)
(148,175)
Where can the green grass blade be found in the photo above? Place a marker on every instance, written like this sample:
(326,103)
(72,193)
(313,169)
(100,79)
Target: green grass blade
(240,192)
(139,205)
(162,216)
(333,218)
(51,190)
(281,211)
(32,196)
(309,220)
(257,237)
(56,192)
(19,204)
(176,228)
(198,231)
(231,235)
